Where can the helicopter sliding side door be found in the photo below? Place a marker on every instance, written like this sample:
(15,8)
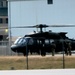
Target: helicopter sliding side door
(38,46)
(33,45)
(47,45)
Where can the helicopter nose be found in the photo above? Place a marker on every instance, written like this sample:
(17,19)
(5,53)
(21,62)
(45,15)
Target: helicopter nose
(14,48)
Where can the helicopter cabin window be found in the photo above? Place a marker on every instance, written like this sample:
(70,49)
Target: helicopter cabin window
(38,41)
(1,20)
(52,40)
(47,41)
(31,41)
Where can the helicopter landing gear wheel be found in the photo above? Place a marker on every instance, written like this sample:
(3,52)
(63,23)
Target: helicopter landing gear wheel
(31,52)
(24,53)
(43,53)
(66,52)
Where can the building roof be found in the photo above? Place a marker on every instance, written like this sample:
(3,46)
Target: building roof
(3,0)
(20,0)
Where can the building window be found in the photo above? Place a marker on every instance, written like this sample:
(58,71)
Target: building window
(1,20)
(3,3)
(6,20)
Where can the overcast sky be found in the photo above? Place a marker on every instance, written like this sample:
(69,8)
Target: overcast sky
(39,12)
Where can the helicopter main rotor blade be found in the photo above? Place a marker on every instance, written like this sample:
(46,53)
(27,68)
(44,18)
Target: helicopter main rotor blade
(38,26)
(61,25)
(17,27)
(23,27)
(35,26)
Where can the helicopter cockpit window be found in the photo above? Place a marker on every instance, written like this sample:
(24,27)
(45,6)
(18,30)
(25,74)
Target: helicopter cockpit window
(20,41)
(16,41)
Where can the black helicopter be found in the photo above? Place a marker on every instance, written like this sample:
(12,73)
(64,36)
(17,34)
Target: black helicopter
(43,42)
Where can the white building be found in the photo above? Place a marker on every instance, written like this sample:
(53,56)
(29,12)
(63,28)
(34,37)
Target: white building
(26,12)
(32,12)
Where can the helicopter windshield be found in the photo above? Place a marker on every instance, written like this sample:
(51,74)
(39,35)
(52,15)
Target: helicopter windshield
(20,41)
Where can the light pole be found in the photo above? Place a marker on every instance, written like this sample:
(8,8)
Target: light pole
(27,54)
(62,40)
(9,23)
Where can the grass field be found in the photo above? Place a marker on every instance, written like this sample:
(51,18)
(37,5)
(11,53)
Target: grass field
(35,62)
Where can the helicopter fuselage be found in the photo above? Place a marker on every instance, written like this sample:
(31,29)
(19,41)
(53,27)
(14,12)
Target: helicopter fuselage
(32,45)
(39,45)
(43,42)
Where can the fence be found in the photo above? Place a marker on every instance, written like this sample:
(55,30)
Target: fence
(30,61)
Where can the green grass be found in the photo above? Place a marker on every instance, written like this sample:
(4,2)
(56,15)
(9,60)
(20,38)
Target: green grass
(19,62)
